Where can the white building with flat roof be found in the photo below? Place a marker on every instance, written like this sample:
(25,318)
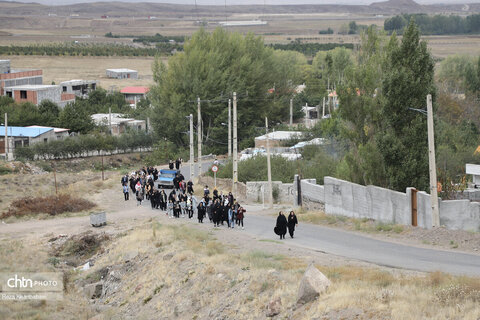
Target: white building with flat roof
(122,73)
(119,124)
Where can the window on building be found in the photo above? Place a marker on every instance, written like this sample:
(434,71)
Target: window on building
(9,94)
(23,94)
(64,89)
(45,140)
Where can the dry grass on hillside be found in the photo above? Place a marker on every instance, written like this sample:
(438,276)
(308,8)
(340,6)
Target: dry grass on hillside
(183,272)
(86,184)
(175,271)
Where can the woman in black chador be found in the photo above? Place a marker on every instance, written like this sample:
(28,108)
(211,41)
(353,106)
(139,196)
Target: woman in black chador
(201,212)
(292,222)
(281,227)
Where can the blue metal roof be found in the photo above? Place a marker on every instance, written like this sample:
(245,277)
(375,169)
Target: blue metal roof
(23,131)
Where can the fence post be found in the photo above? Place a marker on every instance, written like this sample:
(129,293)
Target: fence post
(297,193)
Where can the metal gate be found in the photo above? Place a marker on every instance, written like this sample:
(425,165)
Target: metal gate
(414,207)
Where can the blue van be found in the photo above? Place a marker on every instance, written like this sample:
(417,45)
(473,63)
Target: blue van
(165,179)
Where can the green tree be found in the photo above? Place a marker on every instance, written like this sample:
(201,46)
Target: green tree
(75,118)
(49,112)
(408,79)
(212,67)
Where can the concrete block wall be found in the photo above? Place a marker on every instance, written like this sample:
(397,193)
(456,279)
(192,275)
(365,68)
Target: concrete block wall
(312,191)
(254,191)
(352,200)
(460,215)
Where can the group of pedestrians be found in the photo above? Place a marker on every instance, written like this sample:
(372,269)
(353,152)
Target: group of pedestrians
(283,223)
(140,182)
(220,209)
(223,209)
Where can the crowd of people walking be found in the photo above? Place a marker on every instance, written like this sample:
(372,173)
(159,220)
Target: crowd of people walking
(220,209)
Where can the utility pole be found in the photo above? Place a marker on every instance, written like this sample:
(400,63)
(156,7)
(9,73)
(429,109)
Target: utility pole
(103,174)
(6,137)
(192,155)
(306,115)
(55,179)
(199,135)
(235,151)
(323,112)
(110,119)
(432,165)
(269,169)
(229,128)
(291,112)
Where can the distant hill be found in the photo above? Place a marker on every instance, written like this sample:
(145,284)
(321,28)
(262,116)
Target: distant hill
(142,9)
(396,6)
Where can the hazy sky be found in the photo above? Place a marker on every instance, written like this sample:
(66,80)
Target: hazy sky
(247,2)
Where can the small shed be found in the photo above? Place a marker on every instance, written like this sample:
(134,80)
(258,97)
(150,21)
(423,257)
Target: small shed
(122,73)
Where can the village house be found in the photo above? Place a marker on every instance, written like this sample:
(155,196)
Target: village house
(25,136)
(10,77)
(118,123)
(38,93)
(134,94)
(80,88)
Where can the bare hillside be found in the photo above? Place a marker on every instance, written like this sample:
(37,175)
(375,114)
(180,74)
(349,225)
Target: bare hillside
(119,9)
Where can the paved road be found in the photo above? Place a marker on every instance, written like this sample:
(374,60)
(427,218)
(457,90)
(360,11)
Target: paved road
(350,245)
(185,168)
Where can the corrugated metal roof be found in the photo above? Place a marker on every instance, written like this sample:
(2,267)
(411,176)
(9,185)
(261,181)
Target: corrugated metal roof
(135,90)
(57,130)
(23,131)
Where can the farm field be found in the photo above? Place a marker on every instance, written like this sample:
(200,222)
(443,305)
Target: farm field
(92,68)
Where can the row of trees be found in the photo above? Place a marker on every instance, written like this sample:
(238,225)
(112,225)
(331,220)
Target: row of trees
(80,146)
(148,39)
(310,49)
(86,49)
(436,25)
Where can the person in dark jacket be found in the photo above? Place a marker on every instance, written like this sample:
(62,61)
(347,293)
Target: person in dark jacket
(177,163)
(170,165)
(292,222)
(281,227)
(190,187)
(240,216)
(201,212)
(216,213)
(163,200)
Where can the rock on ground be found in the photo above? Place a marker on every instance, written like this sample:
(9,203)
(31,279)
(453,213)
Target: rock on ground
(312,285)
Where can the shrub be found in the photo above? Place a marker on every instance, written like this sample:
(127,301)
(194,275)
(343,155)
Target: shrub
(5,170)
(51,205)
(78,146)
